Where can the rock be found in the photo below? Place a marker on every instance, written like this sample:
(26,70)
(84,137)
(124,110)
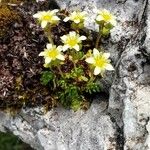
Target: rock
(120,123)
(64,129)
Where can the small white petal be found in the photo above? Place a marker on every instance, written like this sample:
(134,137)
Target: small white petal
(105,11)
(42,54)
(64,38)
(66,19)
(47,60)
(90,60)
(49,46)
(106,55)
(60,48)
(97,71)
(72,33)
(99,18)
(55,18)
(76,47)
(55,10)
(109,67)
(65,47)
(95,52)
(77,21)
(113,22)
(43,24)
(61,57)
(37,15)
(82,38)
(73,14)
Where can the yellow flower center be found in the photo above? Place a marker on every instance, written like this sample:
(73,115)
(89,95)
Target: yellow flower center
(78,16)
(53,53)
(100,61)
(107,17)
(72,41)
(47,17)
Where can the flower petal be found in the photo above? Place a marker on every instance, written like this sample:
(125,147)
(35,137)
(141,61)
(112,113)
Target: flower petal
(60,48)
(72,33)
(65,47)
(109,67)
(106,55)
(90,60)
(37,15)
(55,18)
(49,46)
(99,18)
(113,22)
(82,38)
(76,20)
(55,10)
(61,57)
(66,19)
(97,71)
(43,24)
(63,38)
(42,54)
(95,52)
(47,60)
(76,47)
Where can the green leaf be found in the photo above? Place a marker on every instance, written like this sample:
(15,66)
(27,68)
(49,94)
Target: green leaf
(76,104)
(46,77)
(92,87)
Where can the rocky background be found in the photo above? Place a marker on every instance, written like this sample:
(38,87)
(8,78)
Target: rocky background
(115,122)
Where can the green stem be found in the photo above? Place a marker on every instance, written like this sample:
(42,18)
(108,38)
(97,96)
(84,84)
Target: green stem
(49,36)
(61,73)
(98,37)
(48,33)
(97,41)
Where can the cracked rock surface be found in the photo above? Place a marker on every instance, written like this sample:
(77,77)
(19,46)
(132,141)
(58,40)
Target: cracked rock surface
(119,122)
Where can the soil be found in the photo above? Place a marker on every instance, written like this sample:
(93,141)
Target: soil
(20,65)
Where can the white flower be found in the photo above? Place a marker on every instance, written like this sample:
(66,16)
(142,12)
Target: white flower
(72,41)
(100,61)
(77,17)
(52,53)
(107,17)
(46,17)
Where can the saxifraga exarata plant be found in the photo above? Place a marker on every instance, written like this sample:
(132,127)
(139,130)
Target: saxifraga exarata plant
(71,69)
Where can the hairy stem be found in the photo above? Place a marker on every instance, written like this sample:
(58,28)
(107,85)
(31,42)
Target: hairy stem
(61,73)
(97,41)
(98,37)
(48,33)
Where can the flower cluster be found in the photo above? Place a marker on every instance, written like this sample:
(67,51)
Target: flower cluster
(72,49)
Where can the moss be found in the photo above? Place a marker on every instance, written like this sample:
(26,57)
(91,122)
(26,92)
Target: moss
(7,17)
(13,1)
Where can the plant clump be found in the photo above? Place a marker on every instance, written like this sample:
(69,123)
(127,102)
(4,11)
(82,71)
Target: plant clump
(72,68)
